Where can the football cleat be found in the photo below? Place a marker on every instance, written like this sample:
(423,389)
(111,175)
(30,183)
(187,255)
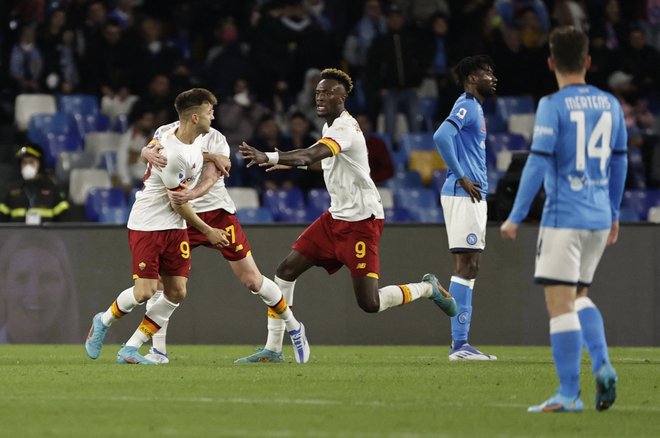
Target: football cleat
(440,296)
(157,357)
(94,341)
(131,355)
(558,403)
(606,379)
(262,355)
(300,345)
(468,352)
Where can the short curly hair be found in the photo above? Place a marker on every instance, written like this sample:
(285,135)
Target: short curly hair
(339,76)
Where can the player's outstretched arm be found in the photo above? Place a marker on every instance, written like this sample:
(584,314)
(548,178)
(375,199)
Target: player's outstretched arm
(296,158)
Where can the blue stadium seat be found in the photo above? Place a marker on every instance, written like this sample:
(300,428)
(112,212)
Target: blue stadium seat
(640,201)
(121,123)
(493,178)
(99,198)
(40,125)
(429,215)
(416,141)
(428,111)
(109,162)
(293,216)
(313,213)
(636,169)
(235,178)
(628,214)
(508,105)
(415,198)
(78,104)
(503,141)
(280,200)
(58,143)
(94,122)
(319,199)
(114,215)
(398,215)
(438,180)
(131,197)
(260,215)
(403,179)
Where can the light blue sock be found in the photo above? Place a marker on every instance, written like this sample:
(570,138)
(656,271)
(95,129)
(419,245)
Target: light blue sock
(461,290)
(566,340)
(593,332)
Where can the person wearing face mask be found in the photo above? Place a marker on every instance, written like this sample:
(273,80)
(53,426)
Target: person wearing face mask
(33,198)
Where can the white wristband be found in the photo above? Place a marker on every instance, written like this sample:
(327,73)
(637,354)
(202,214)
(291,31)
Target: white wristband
(273,157)
(302,167)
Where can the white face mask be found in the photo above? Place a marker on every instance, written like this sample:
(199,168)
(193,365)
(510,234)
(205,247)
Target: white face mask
(242,98)
(29,171)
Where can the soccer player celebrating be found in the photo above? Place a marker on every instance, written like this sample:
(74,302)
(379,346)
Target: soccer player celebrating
(210,199)
(460,139)
(579,153)
(349,233)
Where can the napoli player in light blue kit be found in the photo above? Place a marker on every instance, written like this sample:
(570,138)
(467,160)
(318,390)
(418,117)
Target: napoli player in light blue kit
(579,153)
(461,142)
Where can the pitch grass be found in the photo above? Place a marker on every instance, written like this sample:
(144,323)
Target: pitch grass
(352,391)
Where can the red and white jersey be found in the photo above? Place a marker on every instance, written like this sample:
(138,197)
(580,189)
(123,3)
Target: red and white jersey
(152,210)
(214,143)
(353,194)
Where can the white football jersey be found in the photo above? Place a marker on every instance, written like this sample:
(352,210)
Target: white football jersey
(214,143)
(353,194)
(152,210)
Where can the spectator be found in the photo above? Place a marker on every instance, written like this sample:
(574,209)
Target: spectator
(306,102)
(159,100)
(34,198)
(371,24)
(130,167)
(108,64)
(513,13)
(61,68)
(124,14)
(239,114)
(268,138)
(642,61)
(300,137)
(26,63)
(396,65)
(380,161)
(421,12)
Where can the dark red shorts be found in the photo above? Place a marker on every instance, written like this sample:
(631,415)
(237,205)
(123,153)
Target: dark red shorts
(238,247)
(154,252)
(331,243)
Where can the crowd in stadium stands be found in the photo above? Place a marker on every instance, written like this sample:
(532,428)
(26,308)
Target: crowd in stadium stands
(262,60)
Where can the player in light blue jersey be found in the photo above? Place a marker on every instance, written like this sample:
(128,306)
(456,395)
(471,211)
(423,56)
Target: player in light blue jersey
(579,153)
(461,142)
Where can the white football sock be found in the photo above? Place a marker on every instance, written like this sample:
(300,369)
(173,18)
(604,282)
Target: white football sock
(124,303)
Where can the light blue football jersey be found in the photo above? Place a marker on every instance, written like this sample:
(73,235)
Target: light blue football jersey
(579,128)
(467,116)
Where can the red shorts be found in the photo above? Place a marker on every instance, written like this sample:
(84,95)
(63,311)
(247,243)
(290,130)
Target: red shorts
(154,252)
(238,247)
(331,243)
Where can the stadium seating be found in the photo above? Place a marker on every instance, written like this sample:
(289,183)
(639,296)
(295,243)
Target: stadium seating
(628,214)
(86,123)
(121,123)
(522,124)
(415,198)
(425,163)
(386,197)
(431,215)
(438,180)
(398,215)
(82,181)
(27,105)
(654,215)
(259,215)
(407,178)
(108,161)
(506,106)
(78,104)
(114,215)
(503,142)
(68,160)
(280,200)
(416,141)
(99,198)
(293,216)
(428,111)
(244,197)
(41,125)
(641,201)
(58,143)
(98,142)
(318,199)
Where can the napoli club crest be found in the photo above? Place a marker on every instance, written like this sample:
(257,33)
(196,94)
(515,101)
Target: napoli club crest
(471,239)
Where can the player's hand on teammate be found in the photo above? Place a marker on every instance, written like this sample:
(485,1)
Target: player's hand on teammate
(182,195)
(509,230)
(471,187)
(217,237)
(221,162)
(614,234)
(151,153)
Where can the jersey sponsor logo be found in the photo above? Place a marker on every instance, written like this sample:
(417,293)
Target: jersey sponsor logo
(463,318)
(471,239)
(461,113)
(540,130)
(577,182)
(142,265)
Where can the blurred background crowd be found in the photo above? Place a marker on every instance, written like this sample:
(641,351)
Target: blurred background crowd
(84,83)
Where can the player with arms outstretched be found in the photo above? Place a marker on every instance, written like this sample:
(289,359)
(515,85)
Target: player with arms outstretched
(460,139)
(157,233)
(349,233)
(579,154)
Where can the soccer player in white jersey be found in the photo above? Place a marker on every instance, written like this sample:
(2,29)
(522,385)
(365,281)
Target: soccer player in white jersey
(157,233)
(349,233)
(579,154)
(460,140)
(211,201)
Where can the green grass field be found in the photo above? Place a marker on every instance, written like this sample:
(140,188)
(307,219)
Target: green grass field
(344,391)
